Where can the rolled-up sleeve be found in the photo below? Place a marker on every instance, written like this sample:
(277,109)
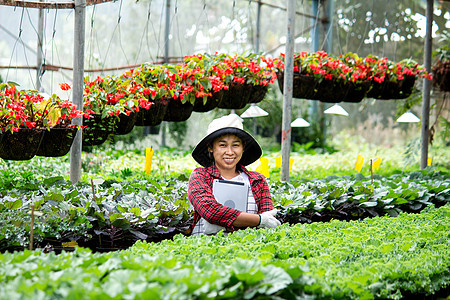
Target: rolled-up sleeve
(205,205)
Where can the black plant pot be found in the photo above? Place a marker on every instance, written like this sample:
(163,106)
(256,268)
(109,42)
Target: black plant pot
(387,89)
(57,142)
(154,115)
(329,91)
(97,130)
(258,93)
(125,124)
(178,111)
(355,93)
(211,102)
(21,145)
(236,97)
(304,87)
(441,75)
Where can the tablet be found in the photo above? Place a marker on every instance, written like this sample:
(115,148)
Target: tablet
(230,193)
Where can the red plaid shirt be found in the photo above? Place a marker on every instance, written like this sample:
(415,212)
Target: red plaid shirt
(205,205)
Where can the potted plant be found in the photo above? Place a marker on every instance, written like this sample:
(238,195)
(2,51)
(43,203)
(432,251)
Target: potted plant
(390,80)
(112,104)
(320,76)
(350,78)
(25,115)
(441,69)
(242,78)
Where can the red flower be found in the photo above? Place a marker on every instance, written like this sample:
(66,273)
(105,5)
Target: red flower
(64,86)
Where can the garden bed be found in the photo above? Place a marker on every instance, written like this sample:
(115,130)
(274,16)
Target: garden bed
(378,258)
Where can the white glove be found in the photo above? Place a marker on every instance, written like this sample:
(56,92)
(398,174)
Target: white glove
(268,219)
(211,228)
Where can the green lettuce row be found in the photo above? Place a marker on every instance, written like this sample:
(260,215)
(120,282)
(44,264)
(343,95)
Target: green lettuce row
(381,257)
(116,214)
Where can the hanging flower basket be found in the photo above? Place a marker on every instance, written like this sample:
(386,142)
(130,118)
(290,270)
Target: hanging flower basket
(20,145)
(441,75)
(237,96)
(97,130)
(258,93)
(125,123)
(56,142)
(211,102)
(178,111)
(389,89)
(154,115)
(350,78)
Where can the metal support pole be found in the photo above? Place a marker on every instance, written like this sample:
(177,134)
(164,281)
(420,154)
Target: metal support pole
(426,88)
(39,53)
(166,60)
(78,87)
(314,108)
(328,33)
(287,92)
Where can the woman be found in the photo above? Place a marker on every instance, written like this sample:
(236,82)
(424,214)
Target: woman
(224,153)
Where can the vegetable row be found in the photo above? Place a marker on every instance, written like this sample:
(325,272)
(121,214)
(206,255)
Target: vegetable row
(377,258)
(117,214)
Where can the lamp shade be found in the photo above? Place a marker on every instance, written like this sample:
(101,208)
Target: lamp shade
(408,117)
(336,110)
(300,122)
(254,111)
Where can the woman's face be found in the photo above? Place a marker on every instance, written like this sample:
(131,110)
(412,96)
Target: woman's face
(227,152)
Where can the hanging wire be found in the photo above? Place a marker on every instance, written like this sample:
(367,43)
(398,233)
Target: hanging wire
(154,32)
(26,58)
(250,25)
(175,16)
(158,40)
(55,52)
(371,28)
(144,34)
(44,49)
(207,22)
(113,33)
(203,14)
(363,36)
(120,33)
(15,43)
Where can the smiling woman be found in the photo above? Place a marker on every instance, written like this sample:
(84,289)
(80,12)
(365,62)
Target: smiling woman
(224,153)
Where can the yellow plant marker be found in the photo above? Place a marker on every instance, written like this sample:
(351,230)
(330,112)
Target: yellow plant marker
(70,244)
(376,163)
(429,160)
(148,160)
(264,167)
(359,163)
(278,162)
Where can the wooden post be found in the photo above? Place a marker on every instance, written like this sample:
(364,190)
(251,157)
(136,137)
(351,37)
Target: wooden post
(287,92)
(78,87)
(426,88)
